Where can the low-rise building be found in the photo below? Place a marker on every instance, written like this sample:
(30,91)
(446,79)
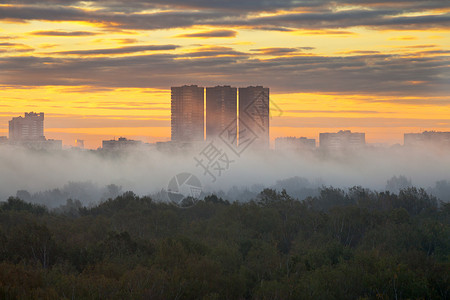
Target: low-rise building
(120,144)
(294,143)
(437,138)
(79,144)
(342,140)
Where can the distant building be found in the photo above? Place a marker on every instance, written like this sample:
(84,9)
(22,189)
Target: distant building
(3,140)
(30,127)
(294,143)
(28,132)
(187,113)
(79,144)
(120,144)
(43,144)
(254,117)
(52,144)
(344,139)
(437,138)
(221,111)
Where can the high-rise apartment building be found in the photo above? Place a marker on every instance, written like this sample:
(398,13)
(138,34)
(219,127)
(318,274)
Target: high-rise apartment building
(221,111)
(187,113)
(254,116)
(30,127)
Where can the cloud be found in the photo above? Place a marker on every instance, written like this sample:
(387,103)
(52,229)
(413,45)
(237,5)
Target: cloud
(126,41)
(378,74)
(119,50)
(276,51)
(359,52)
(284,14)
(327,32)
(403,38)
(47,46)
(6,47)
(388,18)
(420,46)
(210,34)
(365,122)
(303,111)
(214,51)
(62,33)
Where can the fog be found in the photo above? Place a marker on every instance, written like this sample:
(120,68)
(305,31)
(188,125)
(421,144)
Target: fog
(52,177)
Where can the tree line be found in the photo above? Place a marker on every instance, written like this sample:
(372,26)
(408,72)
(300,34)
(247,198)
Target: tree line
(352,244)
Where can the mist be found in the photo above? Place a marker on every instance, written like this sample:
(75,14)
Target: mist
(52,177)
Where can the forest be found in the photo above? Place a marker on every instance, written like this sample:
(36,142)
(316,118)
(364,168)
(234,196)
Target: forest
(341,244)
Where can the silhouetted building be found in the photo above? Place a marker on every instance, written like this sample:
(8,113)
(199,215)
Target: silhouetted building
(187,113)
(30,127)
(120,144)
(28,132)
(79,144)
(52,144)
(294,143)
(221,111)
(42,144)
(344,139)
(425,138)
(254,113)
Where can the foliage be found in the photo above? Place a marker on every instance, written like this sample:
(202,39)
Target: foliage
(354,244)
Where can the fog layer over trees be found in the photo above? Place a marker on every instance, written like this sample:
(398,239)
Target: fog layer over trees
(52,177)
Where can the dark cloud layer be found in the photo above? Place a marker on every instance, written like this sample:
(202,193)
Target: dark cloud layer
(233,5)
(371,73)
(284,69)
(277,51)
(63,33)
(210,34)
(315,14)
(120,50)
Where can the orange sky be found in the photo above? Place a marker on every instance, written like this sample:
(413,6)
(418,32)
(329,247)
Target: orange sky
(100,71)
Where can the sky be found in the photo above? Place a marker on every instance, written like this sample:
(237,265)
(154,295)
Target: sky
(103,69)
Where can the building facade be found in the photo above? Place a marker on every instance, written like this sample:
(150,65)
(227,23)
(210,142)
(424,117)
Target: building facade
(187,113)
(437,138)
(344,139)
(294,144)
(120,144)
(254,113)
(221,111)
(30,127)
(79,144)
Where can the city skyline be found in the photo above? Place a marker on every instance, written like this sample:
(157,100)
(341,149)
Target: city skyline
(29,130)
(99,69)
(223,92)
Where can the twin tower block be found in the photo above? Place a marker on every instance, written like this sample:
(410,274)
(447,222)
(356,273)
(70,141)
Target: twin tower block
(238,114)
